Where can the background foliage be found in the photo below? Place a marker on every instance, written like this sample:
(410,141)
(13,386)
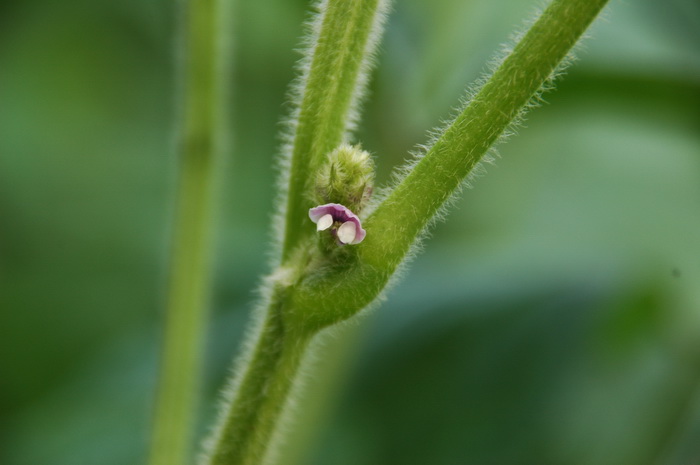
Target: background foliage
(555,318)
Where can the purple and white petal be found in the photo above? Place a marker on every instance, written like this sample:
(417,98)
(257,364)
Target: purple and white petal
(352,233)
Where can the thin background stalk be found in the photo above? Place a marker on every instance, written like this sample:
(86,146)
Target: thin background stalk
(199,144)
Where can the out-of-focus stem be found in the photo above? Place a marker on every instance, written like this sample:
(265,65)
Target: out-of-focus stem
(189,272)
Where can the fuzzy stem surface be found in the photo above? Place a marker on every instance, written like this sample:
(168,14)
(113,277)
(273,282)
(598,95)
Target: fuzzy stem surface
(339,57)
(396,224)
(262,392)
(531,64)
(326,291)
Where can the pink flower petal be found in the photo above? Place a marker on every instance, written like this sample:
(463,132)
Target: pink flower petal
(340,213)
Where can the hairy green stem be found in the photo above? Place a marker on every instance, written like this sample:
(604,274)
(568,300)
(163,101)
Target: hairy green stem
(188,285)
(399,220)
(339,59)
(417,199)
(314,290)
(263,390)
(336,67)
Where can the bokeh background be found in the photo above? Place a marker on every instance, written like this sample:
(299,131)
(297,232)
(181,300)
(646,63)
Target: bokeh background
(553,319)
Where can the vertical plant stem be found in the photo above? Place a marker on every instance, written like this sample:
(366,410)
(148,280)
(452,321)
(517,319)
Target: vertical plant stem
(263,390)
(336,72)
(189,274)
(337,63)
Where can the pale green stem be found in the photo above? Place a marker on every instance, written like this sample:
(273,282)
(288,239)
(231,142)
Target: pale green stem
(398,221)
(314,291)
(340,55)
(262,393)
(189,275)
(338,58)
(416,200)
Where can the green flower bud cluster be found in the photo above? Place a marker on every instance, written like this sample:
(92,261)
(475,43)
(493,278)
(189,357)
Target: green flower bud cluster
(347,178)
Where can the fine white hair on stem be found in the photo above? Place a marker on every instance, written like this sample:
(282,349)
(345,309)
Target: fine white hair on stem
(313,289)
(479,168)
(253,327)
(295,95)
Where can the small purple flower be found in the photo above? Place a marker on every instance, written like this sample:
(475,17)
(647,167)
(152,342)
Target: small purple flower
(344,224)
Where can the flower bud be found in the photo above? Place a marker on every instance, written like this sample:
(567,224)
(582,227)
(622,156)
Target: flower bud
(346,178)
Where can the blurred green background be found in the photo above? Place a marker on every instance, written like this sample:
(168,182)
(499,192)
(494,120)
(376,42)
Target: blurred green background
(553,319)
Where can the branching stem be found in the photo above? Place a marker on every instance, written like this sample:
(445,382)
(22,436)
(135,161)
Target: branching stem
(321,290)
